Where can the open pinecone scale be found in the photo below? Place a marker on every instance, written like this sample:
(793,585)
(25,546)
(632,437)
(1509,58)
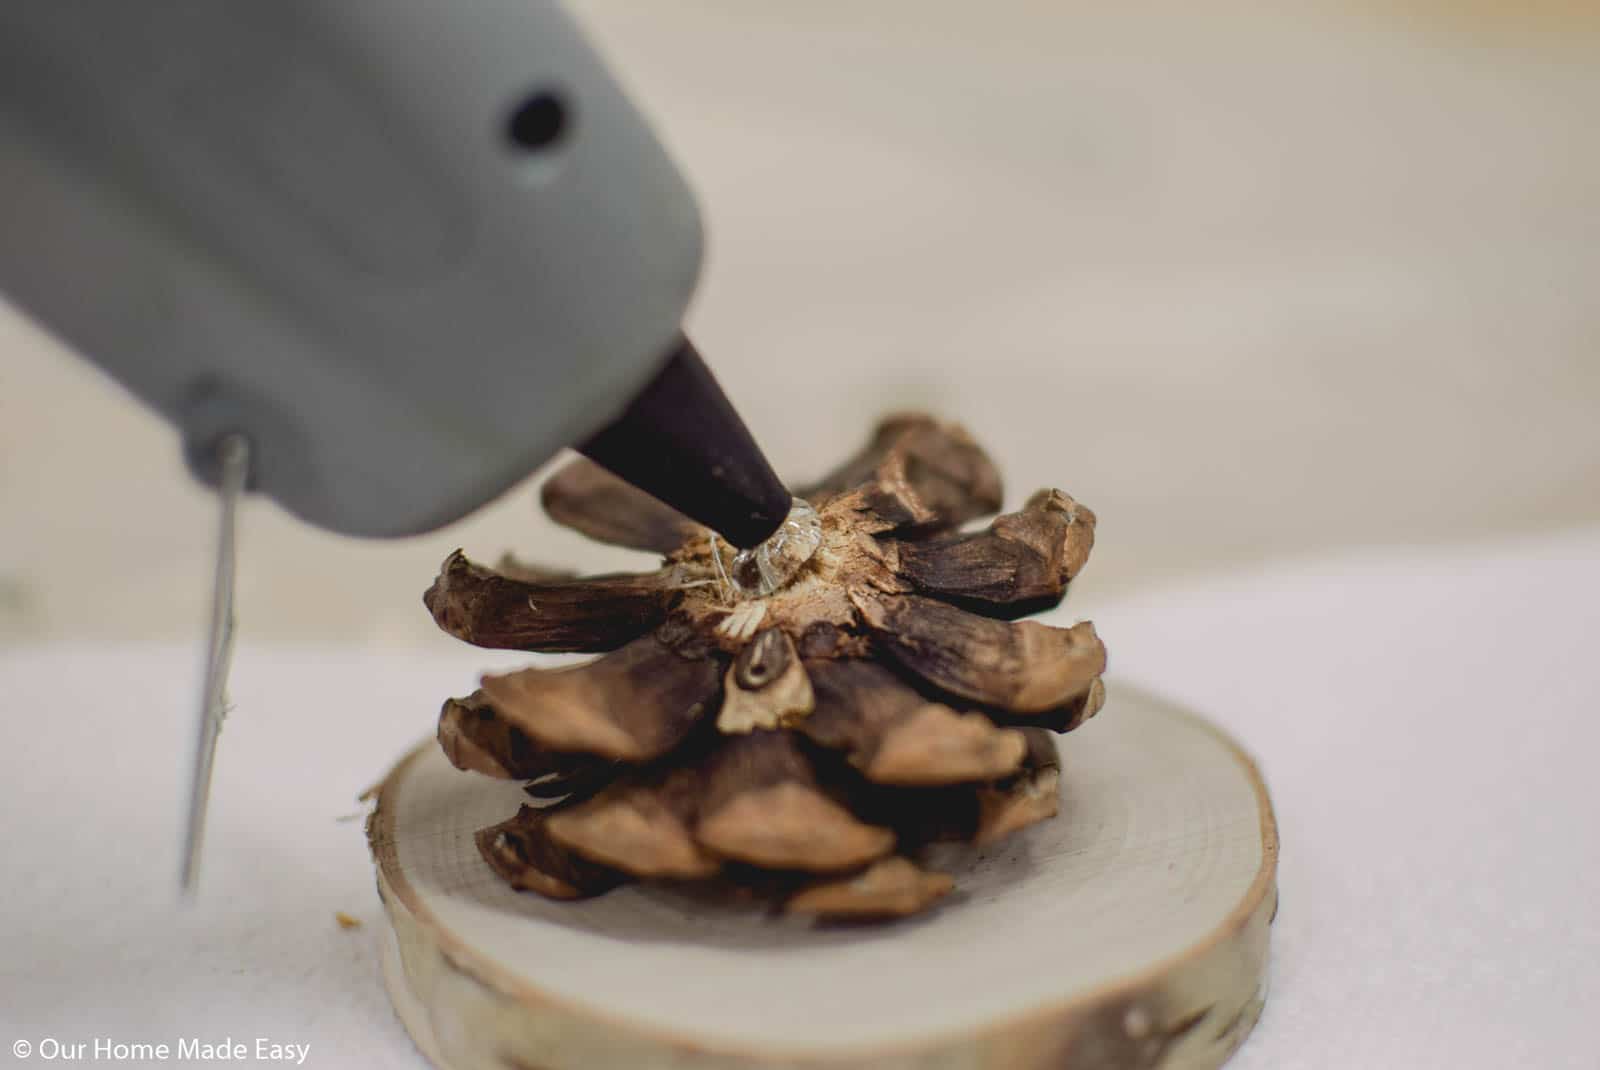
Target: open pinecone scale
(799,723)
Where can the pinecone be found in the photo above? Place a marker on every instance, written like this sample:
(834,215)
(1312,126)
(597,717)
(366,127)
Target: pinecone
(801,722)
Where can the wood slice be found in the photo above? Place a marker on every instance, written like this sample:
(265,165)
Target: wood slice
(1128,933)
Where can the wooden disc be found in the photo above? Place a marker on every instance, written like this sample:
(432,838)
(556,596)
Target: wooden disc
(1129,932)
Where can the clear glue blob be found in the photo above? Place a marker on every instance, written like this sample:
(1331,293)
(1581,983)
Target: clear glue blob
(761,570)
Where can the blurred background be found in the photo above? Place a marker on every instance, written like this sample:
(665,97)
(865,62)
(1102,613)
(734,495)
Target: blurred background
(1251,281)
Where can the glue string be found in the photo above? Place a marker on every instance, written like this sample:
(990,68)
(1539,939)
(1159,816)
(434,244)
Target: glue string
(725,585)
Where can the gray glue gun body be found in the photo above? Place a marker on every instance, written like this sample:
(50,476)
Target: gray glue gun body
(407,249)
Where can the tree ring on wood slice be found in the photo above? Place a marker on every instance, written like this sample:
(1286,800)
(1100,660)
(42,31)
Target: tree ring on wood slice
(1129,933)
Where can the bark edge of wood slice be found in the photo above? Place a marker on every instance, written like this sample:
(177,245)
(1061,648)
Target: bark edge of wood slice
(1128,933)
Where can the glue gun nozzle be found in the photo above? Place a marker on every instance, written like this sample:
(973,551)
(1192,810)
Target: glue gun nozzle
(681,441)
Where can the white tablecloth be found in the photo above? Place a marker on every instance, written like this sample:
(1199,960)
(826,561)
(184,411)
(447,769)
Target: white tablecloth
(1428,722)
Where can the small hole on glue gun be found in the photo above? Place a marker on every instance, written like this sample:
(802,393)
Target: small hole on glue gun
(538,122)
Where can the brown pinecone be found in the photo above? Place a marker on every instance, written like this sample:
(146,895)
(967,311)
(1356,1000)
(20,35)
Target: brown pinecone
(802,725)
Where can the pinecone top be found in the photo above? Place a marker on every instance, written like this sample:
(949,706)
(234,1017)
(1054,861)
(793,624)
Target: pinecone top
(861,685)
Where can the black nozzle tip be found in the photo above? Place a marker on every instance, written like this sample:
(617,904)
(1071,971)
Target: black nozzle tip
(681,441)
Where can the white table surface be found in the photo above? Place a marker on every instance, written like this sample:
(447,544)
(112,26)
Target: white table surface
(1427,722)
